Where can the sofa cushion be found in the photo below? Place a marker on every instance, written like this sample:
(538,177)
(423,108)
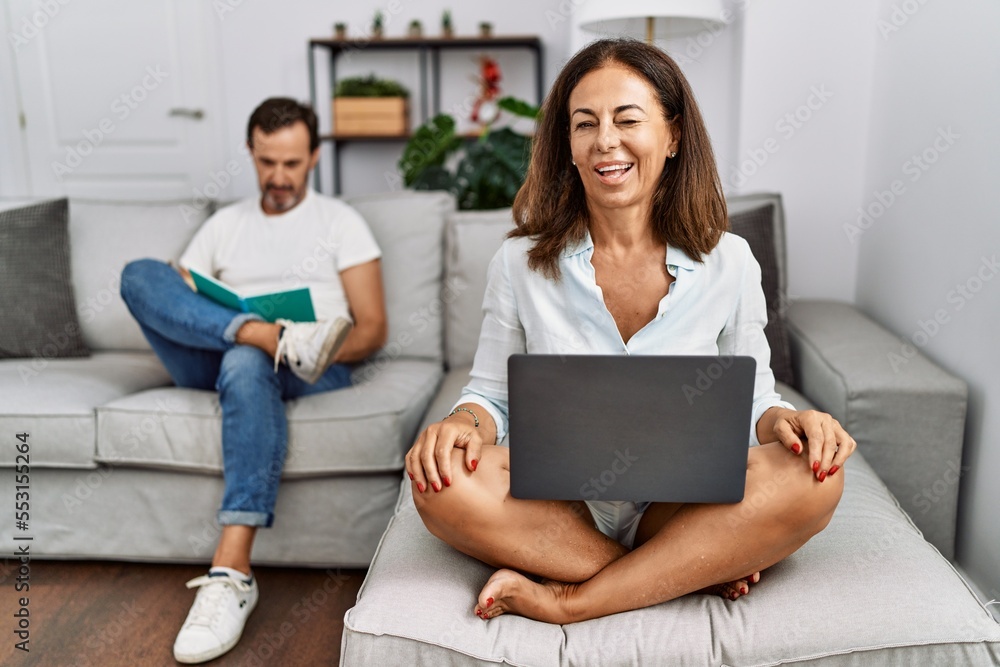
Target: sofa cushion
(361,429)
(756,226)
(54,400)
(409,228)
(886,597)
(36,295)
(104,237)
(471,240)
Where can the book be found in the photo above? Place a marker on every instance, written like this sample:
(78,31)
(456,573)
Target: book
(294,304)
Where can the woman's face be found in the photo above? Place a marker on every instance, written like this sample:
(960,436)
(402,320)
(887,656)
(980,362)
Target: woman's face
(619,138)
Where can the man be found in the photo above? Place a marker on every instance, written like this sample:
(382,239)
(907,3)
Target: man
(260,245)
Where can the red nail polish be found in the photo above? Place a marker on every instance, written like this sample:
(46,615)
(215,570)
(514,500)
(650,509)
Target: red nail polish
(479,613)
(435,486)
(447,481)
(815,466)
(474,464)
(411,476)
(822,476)
(421,487)
(489,602)
(797,448)
(833,470)
(743,590)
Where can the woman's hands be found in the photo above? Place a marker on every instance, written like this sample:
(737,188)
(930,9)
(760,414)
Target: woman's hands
(827,444)
(428,463)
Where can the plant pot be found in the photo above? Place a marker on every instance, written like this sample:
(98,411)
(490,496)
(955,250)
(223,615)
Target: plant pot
(415,32)
(371,116)
(340,33)
(447,33)
(376,33)
(486,30)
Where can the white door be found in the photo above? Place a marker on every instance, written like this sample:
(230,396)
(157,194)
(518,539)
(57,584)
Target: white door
(119,97)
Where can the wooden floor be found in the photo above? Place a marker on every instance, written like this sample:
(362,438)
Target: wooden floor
(109,614)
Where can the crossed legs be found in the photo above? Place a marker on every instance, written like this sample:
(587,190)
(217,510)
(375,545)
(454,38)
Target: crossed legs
(680,548)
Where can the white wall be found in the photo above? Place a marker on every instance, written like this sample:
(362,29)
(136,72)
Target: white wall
(803,127)
(940,71)
(263,56)
(13,168)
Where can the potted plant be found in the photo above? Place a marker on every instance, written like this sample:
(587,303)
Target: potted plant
(446,27)
(490,171)
(485,29)
(370,106)
(340,31)
(416,29)
(377,24)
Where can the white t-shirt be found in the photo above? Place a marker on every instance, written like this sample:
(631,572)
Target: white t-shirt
(308,246)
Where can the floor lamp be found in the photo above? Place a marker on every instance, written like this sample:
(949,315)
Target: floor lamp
(681,17)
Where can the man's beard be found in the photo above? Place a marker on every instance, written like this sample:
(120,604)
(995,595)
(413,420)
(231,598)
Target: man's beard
(292,200)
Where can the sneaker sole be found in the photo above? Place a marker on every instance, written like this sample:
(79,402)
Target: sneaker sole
(205,656)
(330,347)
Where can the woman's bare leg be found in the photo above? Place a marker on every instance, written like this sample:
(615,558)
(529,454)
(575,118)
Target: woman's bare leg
(688,548)
(477,515)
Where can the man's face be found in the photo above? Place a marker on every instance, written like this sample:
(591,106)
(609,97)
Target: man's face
(283,163)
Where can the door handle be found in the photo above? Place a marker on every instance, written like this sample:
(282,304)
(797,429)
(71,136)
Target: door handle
(195,114)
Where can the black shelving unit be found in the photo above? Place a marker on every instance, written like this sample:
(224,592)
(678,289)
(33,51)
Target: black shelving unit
(429,52)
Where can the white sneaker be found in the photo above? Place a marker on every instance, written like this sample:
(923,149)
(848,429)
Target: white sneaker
(307,348)
(220,610)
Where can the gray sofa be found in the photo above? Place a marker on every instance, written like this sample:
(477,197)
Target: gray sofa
(125,466)
(875,588)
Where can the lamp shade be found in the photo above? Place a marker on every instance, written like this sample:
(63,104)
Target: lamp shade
(677,17)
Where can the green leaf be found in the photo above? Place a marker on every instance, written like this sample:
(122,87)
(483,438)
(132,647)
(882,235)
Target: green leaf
(430,146)
(519,107)
(369,86)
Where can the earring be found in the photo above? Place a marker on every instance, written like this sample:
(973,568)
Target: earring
(574,162)
(673,155)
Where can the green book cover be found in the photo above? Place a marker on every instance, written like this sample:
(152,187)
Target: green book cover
(295,304)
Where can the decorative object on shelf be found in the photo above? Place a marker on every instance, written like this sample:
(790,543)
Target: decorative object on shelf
(490,172)
(447,29)
(377,24)
(486,29)
(624,17)
(416,29)
(369,106)
(340,31)
(485,109)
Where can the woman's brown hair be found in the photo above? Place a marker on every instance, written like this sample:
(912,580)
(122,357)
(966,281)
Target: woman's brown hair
(688,209)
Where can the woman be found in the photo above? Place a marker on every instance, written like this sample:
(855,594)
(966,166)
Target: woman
(620,248)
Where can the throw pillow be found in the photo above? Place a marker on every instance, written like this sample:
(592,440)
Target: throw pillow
(757,227)
(36,295)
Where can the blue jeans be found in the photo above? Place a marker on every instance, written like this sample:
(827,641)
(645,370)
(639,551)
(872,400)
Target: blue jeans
(195,338)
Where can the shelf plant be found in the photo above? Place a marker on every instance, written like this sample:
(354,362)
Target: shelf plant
(370,106)
(490,170)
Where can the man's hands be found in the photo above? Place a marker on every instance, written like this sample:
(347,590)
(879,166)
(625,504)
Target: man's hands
(825,442)
(428,463)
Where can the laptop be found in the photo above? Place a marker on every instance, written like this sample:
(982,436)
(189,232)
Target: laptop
(638,428)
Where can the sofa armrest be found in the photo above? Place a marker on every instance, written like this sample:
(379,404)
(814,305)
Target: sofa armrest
(906,413)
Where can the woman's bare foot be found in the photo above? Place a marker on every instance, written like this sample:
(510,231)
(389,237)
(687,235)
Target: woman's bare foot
(733,589)
(508,591)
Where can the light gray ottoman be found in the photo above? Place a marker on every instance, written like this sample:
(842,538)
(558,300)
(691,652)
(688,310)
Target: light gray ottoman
(869,590)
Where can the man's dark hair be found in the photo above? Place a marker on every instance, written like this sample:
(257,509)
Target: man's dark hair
(278,112)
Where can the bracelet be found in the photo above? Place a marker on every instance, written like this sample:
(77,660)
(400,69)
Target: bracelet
(465,410)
